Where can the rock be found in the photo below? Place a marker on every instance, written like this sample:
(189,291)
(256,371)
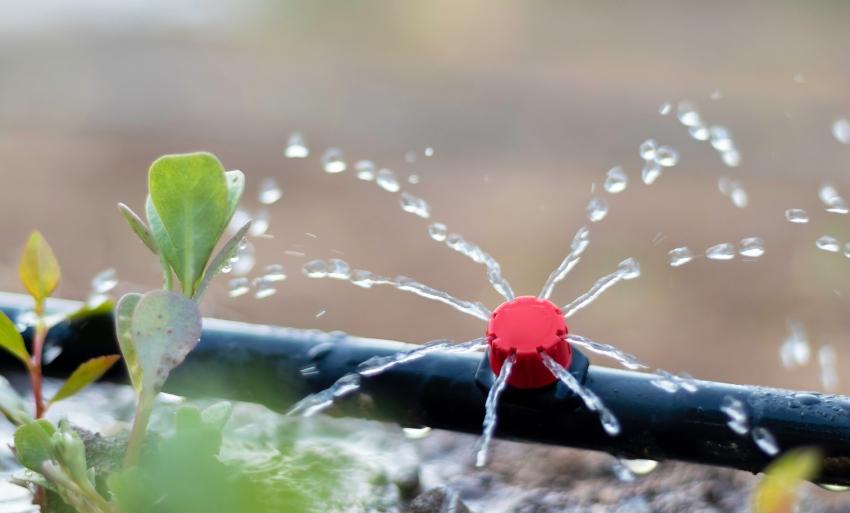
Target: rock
(437,500)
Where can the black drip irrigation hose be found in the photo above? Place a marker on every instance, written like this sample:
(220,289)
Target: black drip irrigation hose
(277,366)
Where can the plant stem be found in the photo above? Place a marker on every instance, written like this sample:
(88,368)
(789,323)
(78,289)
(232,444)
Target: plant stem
(167,283)
(35,366)
(140,425)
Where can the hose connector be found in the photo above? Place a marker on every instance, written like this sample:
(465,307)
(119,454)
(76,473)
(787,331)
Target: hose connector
(527,326)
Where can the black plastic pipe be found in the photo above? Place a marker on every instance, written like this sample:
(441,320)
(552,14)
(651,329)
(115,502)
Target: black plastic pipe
(277,366)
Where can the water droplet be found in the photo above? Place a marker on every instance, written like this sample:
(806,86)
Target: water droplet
(647,149)
(596,209)
(260,224)
(721,139)
(828,243)
(274,273)
(688,114)
(796,216)
(640,467)
(244,261)
(847,250)
(410,157)
(734,190)
(365,170)
(104,281)
(438,231)
(795,350)
(651,171)
(739,196)
(731,158)
(628,269)
(270,191)
(387,180)
(362,278)
(699,132)
(338,269)
(680,256)
(616,180)
(429,151)
(238,287)
(724,251)
(416,433)
(765,441)
(833,487)
(666,156)
(799,78)
(833,201)
(264,288)
(321,313)
(841,131)
(736,413)
(413,205)
(333,161)
(665,108)
(315,269)
(751,247)
(413,179)
(716,95)
(296,147)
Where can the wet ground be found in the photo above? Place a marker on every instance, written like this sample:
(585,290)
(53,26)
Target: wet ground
(526,105)
(428,472)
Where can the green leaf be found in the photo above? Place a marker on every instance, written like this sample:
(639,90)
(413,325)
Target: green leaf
(165,327)
(86,374)
(235,188)
(190,195)
(222,260)
(11,404)
(27,478)
(138,227)
(123,327)
(70,452)
(39,270)
(217,414)
(33,445)
(167,251)
(777,491)
(12,341)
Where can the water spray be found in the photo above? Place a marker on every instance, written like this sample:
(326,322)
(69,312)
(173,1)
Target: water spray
(448,390)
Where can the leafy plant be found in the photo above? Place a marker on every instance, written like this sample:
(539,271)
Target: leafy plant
(39,272)
(190,203)
(56,459)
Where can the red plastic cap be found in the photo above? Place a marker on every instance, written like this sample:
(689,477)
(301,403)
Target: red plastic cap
(525,326)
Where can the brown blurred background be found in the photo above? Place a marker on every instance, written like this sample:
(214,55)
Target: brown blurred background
(526,105)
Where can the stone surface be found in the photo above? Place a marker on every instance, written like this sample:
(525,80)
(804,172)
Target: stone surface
(438,500)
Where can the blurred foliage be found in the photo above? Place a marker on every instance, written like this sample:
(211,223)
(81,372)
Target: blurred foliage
(777,491)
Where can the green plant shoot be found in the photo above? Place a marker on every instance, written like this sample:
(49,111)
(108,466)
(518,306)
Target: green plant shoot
(191,199)
(39,272)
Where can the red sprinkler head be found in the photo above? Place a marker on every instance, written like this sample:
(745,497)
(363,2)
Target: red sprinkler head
(525,326)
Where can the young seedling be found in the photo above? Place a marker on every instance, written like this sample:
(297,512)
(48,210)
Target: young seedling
(190,203)
(39,273)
